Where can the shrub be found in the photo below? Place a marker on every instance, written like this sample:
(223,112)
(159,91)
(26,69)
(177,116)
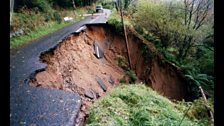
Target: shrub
(43,5)
(131,76)
(197,110)
(121,61)
(57,17)
(26,19)
(115,21)
(108,5)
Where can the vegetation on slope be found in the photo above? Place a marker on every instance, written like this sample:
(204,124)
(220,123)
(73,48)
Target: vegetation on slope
(34,19)
(182,32)
(135,105)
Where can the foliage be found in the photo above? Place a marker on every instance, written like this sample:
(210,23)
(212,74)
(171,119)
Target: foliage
(115,21)
(197,109)
(122,80)
(132,76)
(168,22)
(126,3)
(133,105)
(57,17)
(90,9)
(121,61)
(171,29)
(29,23)
(203,80)
(205,60)
(41,5)
(47,5)
(146,54)
(108,4)
(37,33)
(62,3)
(35,24)
(27,19)
(157,20)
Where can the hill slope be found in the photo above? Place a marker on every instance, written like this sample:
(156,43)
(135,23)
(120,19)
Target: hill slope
(135,105)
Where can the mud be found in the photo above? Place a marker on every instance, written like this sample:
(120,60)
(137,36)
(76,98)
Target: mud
(73,66)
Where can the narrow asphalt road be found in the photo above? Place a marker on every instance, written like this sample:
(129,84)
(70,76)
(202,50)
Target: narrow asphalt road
(37,106)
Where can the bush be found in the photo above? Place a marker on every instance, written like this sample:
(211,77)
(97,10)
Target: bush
(90,10)
(43,5)
(108,5)
(121,61)
(26,19)
(115,21)
(117,24)
(57,17)
(197,110)
(205,60)
(131,76)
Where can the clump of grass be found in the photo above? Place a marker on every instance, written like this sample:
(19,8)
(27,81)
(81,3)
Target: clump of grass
(35,34)
(134,105)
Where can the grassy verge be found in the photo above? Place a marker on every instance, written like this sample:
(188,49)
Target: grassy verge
(37,33)
(137,105)
(37,24)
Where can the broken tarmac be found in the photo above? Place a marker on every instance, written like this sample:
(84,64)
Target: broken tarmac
(36,105)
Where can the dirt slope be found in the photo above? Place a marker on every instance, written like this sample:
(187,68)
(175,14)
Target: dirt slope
(73,66)
(156,72)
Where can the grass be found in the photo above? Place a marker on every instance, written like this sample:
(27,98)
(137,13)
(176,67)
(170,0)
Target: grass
(137,105)
(37,33)
(38,24)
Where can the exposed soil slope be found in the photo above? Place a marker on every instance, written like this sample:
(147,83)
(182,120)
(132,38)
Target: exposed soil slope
(73,65)
(156,72)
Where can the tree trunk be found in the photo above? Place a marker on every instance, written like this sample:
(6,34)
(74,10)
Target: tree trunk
(73,3)
(206,103)
(126,39)
(11,9)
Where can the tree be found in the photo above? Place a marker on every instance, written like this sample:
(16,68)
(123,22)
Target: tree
(196,13)
(182,24)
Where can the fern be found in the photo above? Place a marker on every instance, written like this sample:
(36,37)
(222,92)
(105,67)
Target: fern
(203,80)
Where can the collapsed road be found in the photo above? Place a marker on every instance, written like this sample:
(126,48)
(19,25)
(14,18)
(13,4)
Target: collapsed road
(33,106)
(92,62)
(82,64)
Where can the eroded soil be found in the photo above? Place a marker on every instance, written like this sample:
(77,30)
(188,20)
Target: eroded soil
(73,66)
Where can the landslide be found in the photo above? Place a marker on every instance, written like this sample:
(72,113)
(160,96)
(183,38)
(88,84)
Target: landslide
(73,65)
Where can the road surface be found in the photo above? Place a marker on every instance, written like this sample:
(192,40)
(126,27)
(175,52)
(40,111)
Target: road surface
(37,106)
